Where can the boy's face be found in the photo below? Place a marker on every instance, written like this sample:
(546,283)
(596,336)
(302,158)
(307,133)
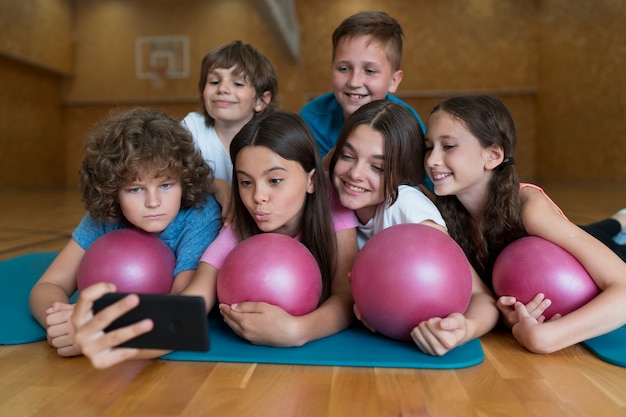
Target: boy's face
(230,98)
(151,203)
(362,73)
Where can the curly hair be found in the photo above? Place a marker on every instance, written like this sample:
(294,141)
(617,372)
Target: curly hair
(248,62)
(132,144)
(287,135)
(403,143)
(487,119)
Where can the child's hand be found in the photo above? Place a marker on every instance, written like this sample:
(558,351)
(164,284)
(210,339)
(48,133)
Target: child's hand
(222,192)
(97,345)
(535,308)
(60,332)
(262,323)
(528,331)
(437,336)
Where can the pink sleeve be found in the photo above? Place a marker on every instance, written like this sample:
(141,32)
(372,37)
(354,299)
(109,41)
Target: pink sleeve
(342,217)
(220,248)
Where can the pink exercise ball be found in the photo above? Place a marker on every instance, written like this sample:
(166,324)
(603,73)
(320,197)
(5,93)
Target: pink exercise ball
(272,268)
(532,265)
(407,274)
(133,260)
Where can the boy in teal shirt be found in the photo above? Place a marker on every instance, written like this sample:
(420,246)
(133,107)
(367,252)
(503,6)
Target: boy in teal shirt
(367,53)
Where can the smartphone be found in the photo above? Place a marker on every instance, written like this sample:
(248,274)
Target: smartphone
(180,321)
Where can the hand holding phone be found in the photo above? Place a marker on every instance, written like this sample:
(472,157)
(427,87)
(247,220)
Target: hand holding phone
(180,322)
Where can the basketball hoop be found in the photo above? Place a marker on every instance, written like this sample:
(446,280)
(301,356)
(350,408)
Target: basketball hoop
(158,76)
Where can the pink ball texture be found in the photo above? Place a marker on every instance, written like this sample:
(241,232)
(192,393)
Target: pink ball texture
(133,260)
(532,265)
(409,273)
(272,268)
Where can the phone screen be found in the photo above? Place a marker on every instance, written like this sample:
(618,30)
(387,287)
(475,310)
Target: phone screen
(180,321)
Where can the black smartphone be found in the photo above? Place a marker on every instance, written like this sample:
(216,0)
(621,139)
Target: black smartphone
(180,321)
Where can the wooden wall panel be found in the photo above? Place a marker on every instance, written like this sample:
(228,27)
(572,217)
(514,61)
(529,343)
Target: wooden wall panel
(38,32)
(448,44)
(105,58)
(35,55)
(582,103)
(31,141)
(557,64)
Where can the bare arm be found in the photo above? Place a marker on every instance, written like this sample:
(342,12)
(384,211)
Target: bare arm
(481,314)
(439,335)
(604,313)
(182,280)
(204,284)
(58,283)
(334,314)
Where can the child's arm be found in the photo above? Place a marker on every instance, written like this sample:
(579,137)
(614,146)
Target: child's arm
(604,313)
(49,299)
(100,347)
(204,284)
(437,336)
(182,281)
(265,324)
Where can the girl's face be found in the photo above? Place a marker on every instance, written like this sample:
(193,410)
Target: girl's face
(358,176)
(455,160)
(362,73)
(273,189)
(151,203)
(230,98)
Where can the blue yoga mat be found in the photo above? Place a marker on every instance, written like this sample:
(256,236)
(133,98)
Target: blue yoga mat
(352,347)
(355,346)
(610,347)
(17,277)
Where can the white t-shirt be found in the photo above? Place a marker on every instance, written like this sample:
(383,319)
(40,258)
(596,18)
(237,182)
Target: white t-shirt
(210,146)
(412,206)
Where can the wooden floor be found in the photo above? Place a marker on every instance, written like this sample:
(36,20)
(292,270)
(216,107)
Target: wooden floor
(510,382)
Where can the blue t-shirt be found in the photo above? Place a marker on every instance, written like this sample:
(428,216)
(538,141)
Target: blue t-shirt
(324,116)
(188,235)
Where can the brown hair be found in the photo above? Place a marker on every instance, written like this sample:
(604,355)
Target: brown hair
(403,143)
(248,62)
(380,26)
(488,119)
(134,143)
(288,136)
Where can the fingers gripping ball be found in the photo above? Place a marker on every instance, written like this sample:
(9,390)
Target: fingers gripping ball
(273,268)
(532,265)
(135,261)
(409,273)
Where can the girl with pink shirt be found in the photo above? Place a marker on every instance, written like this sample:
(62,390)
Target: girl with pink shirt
(280,186)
